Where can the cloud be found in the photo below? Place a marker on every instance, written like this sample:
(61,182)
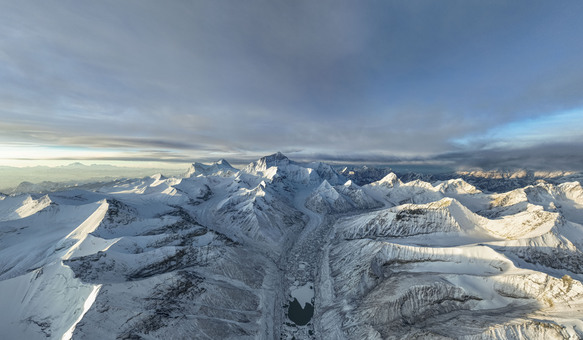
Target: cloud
(548,156)
(203,79)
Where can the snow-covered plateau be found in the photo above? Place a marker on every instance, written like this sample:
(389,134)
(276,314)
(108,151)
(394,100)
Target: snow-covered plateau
(284,250)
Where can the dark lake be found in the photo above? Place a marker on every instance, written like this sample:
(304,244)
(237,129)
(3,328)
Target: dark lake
(300,316)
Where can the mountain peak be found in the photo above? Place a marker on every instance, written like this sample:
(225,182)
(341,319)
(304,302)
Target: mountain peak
(220,167)
(223,162)
(390,180)
(74,165)
(278,156)
(277,159)
(324,186)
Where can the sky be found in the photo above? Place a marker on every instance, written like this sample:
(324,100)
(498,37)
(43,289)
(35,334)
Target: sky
(466,83)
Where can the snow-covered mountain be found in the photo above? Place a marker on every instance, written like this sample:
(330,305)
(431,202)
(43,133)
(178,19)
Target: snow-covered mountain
(365,174)
(220,167)
(287,250)
(491,181)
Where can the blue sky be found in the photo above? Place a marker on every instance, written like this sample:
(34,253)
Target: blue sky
(470,83)
(561,126)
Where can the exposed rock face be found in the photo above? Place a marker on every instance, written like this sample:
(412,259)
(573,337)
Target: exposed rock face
(288,250)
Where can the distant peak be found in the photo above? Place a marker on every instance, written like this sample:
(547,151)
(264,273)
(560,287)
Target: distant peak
(390,179)
(216,168)
(223,161)
(278,156)
(76,165)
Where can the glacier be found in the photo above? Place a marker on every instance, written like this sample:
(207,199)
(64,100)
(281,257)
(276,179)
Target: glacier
(287,250)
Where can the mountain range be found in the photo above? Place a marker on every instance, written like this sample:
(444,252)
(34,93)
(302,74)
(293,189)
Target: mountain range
(289,250)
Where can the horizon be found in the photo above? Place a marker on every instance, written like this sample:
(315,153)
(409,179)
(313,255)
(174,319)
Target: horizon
(240,163)
(472,84)
(82,173)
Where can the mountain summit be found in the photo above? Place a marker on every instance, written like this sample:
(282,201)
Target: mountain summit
(262,164)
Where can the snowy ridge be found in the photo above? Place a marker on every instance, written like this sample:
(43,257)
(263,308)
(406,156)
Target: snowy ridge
(510,259)
(218,168)
(457,186)
(287,250)
(19,207)
(358,197)
(257,213)
(326,199)
(364,175)
(340,198)
(443,216)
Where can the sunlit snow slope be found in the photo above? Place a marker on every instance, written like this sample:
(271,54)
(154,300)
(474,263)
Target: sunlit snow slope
(282,250)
